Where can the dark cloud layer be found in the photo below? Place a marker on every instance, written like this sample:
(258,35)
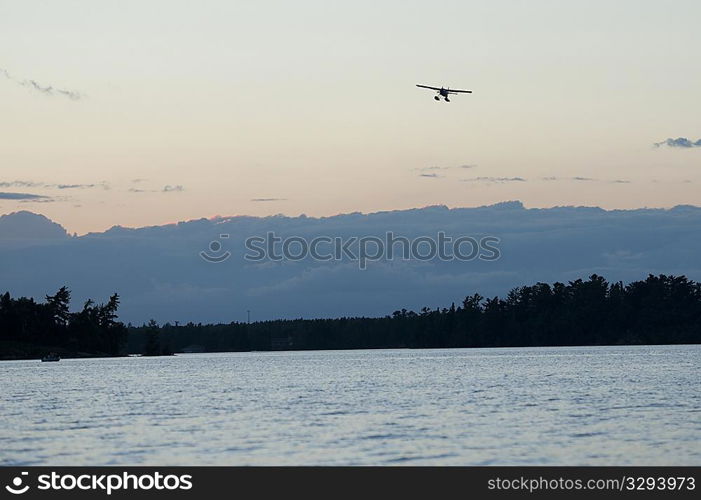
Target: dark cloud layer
(171,282)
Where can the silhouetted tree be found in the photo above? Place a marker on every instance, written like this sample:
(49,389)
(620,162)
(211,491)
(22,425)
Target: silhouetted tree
(37,327)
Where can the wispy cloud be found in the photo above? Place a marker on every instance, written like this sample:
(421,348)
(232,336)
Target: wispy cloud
(6,184)
(268,199)
(21,196)
(584,179)
(679,142)
(44,199)
(437,172)
(575,178)
(495,179)
(79,186)
(165,189)
(44,89)
(434,168)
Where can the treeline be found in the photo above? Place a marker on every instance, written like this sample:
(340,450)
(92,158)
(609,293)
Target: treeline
(659,310)
(31,329)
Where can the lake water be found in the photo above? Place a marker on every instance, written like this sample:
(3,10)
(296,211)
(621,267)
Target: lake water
(526,406)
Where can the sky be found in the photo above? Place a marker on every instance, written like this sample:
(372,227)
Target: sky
(139,113)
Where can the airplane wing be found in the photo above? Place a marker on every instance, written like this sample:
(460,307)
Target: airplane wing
(451,91)
(427,87)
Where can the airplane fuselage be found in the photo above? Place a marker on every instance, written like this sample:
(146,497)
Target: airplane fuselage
(444,93)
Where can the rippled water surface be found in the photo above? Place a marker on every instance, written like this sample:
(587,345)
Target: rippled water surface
(531,406)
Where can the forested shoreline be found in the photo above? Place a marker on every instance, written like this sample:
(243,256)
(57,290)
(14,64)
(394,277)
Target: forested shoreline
(29,329)
(658,310)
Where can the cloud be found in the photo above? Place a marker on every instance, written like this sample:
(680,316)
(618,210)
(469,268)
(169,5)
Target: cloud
(679,142)
(432,168)
(546,244)
(268,199)
(21,196)
(77,186)
(165,189)
(553,178)
(46,90)
(547,179)
(495,179)
(43,199)
(6,184)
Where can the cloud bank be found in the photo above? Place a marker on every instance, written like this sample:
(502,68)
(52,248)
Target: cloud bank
(166,278)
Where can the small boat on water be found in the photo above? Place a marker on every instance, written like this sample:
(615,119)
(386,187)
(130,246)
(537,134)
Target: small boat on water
(52,356)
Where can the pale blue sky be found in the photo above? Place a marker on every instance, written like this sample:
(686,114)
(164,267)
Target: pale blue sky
(312,105)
